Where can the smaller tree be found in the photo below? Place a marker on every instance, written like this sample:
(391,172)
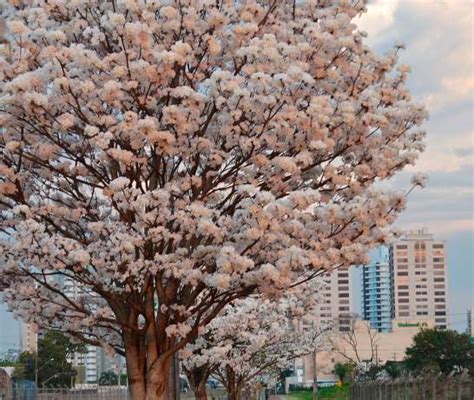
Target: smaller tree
(434,350)
(343,370)
(348,343)
(25,366)
(394,369)
(108,378)
(252,339)
(52,365)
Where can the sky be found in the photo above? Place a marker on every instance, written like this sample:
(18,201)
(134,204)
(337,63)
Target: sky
(439,48)
(438,36)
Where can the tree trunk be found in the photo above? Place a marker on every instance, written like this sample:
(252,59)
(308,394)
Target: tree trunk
(148,376)
(234,387)
(200,392)
(153,386)
(197,378)
(234,393)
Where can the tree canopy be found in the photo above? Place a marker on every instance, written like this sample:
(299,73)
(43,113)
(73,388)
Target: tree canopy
(169,157)
(53,361)
(443,351)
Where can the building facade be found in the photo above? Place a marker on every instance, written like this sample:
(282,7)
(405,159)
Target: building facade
(333,311)
(87,361)
(336,299)
(418,265)
(28,338)
(377,291)
(367,345)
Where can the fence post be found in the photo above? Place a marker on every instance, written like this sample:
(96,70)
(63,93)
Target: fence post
(459,388)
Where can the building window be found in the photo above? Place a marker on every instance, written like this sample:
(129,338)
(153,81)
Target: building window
(401,287)
(438,259)
(440,293)
(402,273)
(403,293)
(404,314)
(403,300)
(402,246)
(439,279)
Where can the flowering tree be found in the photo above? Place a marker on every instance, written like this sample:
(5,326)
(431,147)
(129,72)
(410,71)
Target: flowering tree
(163,156)
(253,338)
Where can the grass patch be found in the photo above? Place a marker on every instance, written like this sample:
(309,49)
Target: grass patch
(326,393)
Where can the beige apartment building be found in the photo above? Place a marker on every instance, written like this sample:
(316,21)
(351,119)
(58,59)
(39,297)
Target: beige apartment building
(336,299)
(333,311)
(419,277)
(28,337)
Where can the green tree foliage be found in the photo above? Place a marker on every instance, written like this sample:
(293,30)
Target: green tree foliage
(52,366)
(7,363)
(108,378)
(25,366)
(343,371)
(440,351)
(393,369)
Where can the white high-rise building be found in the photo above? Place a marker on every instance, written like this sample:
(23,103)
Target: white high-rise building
(88,360)
(418,264)
(28,337)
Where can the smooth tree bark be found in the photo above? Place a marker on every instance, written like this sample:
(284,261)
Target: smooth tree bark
(198,377)
(233,383)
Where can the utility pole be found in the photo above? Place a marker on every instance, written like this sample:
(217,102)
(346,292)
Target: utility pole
(469,322)
(315,377)
(174,381)
(177,380)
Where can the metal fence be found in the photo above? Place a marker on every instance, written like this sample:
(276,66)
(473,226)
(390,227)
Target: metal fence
(436,387)
(97,393)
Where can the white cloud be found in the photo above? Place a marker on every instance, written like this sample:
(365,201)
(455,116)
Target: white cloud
(380,16)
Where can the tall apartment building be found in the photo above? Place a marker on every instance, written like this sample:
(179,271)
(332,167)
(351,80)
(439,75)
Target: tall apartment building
(377,291)
(419,278)
(336,299)
(334,310)
(88,360)
(28,337)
